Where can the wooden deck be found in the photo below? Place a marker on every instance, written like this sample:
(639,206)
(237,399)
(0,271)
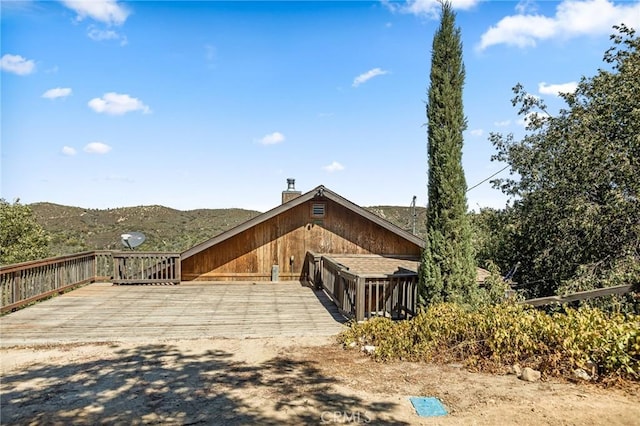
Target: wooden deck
(103,312)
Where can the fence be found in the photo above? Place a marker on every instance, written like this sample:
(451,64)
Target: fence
(364,296)
(28,282)
(343,287)
(391,295)
(581,295)
(146,268)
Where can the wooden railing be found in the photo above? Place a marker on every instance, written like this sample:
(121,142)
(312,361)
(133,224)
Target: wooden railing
(363,296)
(582,295)
(311,269)
(391,295)
(28,282)
(104,265)
(342,286)
(132,267)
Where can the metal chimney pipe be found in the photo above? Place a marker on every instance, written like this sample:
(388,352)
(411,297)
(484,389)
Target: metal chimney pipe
(291,192)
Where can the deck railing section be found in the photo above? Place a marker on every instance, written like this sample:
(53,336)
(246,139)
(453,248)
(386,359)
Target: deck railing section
(146,268)
(103,265)
(312,269)
(364,296)
(342,286)
(392,295)
(27,282)
(582,295)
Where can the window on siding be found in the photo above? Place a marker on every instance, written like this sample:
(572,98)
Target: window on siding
(318,210)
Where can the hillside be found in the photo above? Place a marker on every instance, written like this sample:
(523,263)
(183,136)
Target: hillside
(75,229)
(402,217)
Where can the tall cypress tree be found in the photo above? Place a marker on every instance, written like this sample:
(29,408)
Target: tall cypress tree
(447,271)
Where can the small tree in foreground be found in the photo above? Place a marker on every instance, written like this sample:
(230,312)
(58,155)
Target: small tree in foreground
(447,270)
(21,237)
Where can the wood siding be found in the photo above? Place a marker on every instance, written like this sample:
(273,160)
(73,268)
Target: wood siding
(285,239)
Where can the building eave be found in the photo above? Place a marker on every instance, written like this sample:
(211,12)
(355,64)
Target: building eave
(318,193)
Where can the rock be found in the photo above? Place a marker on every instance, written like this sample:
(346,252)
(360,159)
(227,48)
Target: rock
(516,369)
(580,374)
(530,375)
(591,368)
(352,345)
(369,349)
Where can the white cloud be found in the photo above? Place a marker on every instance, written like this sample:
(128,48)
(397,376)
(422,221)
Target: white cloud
(519,31)
(526,6)
(333,167)
(572,18)
(117,104)
(17,64)
(109,12)
(429,8)
(503,123)
(556,89)
(476,132)
(97,148)
(364,77)
(67,150)
(272,138)
(58,92)
(97,34)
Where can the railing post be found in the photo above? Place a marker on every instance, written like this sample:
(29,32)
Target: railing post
(360,299)
(178,274)
(318,275)
(116,269)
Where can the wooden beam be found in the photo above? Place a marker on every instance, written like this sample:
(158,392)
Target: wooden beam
(581,295)
(360,298)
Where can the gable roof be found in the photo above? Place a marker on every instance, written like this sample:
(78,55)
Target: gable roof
(319,192)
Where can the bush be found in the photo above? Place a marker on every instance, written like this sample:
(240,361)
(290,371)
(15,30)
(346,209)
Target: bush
(506,334)
(21,237)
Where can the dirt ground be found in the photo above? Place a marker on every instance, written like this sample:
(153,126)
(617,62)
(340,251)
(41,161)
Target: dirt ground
(277,381)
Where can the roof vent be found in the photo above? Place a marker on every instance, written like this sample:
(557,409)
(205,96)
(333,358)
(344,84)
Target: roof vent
(291,192)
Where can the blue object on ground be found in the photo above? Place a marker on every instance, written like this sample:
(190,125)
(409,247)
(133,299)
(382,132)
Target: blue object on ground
(428,406)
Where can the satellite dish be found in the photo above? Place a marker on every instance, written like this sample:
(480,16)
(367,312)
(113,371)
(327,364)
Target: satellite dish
(132,239)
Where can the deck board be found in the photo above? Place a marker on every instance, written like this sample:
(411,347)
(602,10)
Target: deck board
(103,312)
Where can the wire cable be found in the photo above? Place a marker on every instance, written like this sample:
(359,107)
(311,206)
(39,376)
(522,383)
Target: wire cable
(483,181)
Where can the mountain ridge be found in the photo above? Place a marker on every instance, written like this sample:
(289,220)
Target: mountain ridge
(76,229)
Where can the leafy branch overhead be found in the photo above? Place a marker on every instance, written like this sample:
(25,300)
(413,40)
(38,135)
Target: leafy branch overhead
(576,209)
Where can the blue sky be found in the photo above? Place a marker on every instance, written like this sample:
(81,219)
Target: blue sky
(215,104)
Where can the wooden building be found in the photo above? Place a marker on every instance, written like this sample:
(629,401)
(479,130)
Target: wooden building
(273,245)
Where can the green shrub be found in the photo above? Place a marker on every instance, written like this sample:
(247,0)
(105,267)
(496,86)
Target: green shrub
(509,333)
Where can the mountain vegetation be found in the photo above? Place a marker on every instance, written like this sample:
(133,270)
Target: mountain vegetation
(76,229)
